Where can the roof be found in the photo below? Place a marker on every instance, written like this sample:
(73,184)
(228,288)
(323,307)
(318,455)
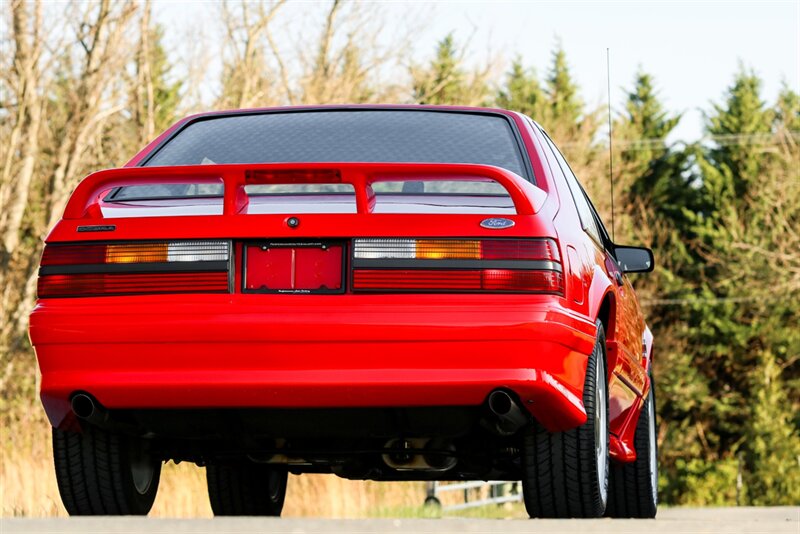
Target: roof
(327,107)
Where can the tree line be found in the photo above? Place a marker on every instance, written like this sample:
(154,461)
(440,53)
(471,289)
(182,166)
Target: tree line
(84,85)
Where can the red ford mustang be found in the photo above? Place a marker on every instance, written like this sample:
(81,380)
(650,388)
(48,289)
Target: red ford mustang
(378,292)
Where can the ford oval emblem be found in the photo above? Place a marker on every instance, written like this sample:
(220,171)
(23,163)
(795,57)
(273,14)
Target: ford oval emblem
(497,223)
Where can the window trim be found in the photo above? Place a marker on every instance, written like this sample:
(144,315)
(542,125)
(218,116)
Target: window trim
(608,244)
(601,233)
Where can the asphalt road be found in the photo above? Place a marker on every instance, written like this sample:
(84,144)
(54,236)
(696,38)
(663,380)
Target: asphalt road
(670,520)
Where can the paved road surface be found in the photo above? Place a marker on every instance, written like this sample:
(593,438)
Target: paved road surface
(670,521)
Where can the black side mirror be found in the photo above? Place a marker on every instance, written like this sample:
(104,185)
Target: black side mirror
(635,259)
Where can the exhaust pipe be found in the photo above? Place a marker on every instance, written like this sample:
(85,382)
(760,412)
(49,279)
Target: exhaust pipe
(438,460)
(87,409)
(508,416)
(419,454)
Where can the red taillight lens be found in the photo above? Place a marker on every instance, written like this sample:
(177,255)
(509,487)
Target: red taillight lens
(98,284)
(73,254)
(294,176)
(456,280)
(490,265)
(416,279)
(536,281)
(134,268)
(519,249)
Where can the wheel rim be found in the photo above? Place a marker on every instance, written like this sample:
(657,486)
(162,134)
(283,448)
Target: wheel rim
(143,468)
(651,428)
(601,432)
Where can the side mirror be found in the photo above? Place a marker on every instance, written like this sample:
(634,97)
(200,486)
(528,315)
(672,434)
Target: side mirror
(635,259)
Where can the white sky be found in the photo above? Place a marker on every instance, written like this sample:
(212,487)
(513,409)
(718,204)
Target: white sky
(692,48)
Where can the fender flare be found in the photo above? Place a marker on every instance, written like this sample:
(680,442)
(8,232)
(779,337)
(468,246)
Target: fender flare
(600,289)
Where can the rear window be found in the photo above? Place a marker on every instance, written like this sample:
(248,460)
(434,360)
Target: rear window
(422,187)
(347,135)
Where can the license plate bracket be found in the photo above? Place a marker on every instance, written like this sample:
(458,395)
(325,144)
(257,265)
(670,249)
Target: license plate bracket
(305,267)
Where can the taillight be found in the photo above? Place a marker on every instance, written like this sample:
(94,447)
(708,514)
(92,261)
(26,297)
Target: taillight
(134,268)
(472,265)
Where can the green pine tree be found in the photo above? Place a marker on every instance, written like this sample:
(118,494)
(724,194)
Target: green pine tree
(522,92)
(565,106)
(167,88)
(446,80)
(654,182)
(644,125)
(773,439)
(740,127)
(787,113)
(574,130)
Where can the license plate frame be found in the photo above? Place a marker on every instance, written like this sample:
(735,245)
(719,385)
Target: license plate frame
(335,246)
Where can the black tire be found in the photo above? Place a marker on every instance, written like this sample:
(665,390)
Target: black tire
(633,487)
(246,489)
(565,474)
(103,473)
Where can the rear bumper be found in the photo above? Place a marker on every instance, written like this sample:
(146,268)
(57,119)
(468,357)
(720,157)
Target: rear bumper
(306,351)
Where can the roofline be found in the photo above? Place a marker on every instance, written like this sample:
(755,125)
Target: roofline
(314,107)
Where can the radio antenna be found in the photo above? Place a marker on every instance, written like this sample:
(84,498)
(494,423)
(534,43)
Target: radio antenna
(610,150)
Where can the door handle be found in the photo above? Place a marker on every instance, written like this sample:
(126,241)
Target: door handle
(618,278)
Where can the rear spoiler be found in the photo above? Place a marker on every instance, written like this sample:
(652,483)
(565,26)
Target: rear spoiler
(88,195)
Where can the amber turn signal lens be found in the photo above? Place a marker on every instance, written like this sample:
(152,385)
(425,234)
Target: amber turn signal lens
(148,253)
(448,249)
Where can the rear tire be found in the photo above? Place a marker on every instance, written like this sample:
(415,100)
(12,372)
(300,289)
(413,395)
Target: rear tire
(246,489)
(104,473)
(633,487)
(565,474)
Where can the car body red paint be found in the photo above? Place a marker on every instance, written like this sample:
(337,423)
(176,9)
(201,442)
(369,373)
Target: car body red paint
(242,350)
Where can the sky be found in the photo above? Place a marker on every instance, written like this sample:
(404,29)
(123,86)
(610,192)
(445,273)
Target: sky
(693,49)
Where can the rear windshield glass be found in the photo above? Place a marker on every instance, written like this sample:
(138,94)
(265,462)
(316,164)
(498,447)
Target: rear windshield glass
(353,136)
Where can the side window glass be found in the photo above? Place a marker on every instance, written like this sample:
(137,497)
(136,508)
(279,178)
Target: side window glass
(584,209)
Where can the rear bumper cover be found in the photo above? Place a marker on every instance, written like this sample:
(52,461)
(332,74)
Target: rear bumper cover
(306,351)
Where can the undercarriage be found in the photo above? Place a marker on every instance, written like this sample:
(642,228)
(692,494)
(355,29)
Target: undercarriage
(414,443)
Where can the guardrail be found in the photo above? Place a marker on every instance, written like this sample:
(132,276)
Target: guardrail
(500,491)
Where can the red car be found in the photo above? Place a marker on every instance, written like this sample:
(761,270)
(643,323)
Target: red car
(377,292)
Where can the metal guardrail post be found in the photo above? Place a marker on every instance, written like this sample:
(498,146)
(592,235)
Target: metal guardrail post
(430,495)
